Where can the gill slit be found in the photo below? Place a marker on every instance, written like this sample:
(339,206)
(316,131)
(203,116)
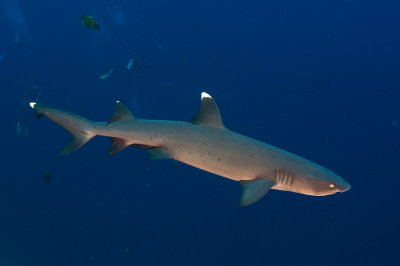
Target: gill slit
(283,178)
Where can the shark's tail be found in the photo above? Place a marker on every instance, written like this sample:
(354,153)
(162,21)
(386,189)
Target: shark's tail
(81,129)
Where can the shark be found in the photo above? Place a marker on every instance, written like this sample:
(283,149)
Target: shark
(205,143)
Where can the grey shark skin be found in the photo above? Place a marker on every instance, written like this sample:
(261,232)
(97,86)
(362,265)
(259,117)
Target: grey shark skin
(205,143)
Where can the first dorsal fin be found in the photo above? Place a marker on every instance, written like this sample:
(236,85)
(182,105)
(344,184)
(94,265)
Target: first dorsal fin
(121,113)
(208,114)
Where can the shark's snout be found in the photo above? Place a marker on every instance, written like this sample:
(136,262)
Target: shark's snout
(345,186)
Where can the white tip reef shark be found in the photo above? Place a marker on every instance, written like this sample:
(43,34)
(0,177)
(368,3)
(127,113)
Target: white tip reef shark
(204,142)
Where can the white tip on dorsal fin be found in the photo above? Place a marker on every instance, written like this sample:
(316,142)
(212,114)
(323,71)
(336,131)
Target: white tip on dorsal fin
(205,95)
(32,105)
(121,113)
(208,114)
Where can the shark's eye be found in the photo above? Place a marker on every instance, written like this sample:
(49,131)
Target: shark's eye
(331,186)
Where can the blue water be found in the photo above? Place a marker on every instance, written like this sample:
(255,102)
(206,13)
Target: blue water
(317,78)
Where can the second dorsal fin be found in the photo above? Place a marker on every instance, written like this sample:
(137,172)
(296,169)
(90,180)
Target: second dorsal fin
(208,114)
(121,113)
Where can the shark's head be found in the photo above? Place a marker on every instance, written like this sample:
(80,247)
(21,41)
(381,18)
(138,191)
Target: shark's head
(315,186)
(319,181)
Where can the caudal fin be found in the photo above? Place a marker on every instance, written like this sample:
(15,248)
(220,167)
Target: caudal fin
(81,129)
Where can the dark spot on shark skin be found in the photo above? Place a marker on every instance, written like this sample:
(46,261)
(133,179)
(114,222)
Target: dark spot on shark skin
(151,137)
(219,159)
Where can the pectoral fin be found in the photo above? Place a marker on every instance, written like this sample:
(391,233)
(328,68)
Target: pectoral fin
(253,190)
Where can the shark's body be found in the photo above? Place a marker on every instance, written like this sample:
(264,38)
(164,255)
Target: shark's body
(205,143)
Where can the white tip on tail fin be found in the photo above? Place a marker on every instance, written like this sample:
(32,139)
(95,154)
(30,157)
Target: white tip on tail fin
(205,95)
(80,128)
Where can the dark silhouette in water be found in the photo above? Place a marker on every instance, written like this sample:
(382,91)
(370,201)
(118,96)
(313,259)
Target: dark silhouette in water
(319,84)
(46,176)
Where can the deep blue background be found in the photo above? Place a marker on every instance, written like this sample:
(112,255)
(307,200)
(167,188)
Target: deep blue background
(318,78)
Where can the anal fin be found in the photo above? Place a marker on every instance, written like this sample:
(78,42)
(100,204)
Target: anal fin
(253,190)
(117,146)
